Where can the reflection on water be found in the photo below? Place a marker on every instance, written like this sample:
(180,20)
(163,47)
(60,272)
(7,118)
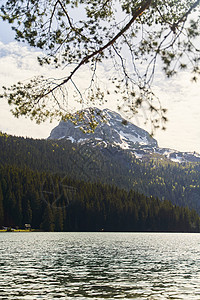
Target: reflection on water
(99,266)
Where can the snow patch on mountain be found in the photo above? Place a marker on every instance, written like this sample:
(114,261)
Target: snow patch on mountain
(70,138)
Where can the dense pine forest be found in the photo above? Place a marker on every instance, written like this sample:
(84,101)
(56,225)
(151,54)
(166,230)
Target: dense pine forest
(179,183)
(60,186)
(53,203)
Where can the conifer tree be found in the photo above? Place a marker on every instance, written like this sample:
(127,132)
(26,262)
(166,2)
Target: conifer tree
(1,207)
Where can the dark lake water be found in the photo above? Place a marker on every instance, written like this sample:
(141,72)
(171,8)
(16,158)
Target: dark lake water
(99,266)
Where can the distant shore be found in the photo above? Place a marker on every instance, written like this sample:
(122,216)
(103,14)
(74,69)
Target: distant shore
(20,230)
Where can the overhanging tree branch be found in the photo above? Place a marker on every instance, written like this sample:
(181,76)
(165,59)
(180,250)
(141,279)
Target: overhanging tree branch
(100,50)
(133,45)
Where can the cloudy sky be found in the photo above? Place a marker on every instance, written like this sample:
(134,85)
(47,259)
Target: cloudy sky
(178,95)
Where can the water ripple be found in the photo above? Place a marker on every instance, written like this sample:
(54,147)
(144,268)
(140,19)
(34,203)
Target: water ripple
(99,266)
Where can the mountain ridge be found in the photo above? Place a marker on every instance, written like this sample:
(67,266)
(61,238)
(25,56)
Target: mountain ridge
(114,130)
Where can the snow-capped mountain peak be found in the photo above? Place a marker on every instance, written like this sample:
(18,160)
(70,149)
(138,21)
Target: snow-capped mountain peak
(113,130)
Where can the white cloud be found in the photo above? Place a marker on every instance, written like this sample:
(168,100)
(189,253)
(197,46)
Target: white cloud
(19,63)
(181,97)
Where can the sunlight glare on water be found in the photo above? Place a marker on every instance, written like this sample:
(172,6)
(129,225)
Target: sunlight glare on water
(99,266)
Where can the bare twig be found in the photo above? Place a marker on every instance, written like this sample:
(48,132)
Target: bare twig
(77,31)
(52,14)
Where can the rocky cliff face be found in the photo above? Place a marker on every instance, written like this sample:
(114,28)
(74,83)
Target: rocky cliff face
(113,130)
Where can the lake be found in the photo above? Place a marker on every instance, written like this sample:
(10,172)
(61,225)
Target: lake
(99,266)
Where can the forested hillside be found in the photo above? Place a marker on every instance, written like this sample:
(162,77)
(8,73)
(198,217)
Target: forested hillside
(55,203)
(159,177)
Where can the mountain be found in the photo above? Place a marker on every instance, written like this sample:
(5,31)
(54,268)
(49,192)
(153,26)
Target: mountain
(113,130)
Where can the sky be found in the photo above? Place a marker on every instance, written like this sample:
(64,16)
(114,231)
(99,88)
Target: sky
(178,95)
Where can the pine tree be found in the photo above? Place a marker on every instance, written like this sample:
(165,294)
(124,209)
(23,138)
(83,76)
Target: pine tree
(1,207)
(48,219)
